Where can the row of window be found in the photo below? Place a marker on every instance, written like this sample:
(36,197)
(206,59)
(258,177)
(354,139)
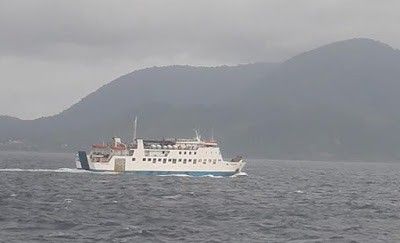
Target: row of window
(184,152)
(174,161)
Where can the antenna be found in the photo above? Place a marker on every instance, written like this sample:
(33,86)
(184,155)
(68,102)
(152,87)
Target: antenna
(135,130)
(197,135)
(212,134)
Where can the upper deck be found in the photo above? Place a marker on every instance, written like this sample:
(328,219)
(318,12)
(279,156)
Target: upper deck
(178,144)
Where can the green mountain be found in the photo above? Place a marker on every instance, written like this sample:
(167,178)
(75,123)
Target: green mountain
(335,102)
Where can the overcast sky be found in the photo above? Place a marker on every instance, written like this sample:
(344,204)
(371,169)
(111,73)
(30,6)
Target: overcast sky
(53,53)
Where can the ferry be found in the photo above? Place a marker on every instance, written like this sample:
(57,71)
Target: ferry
(194,156)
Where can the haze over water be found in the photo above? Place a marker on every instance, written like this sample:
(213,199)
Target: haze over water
(42,198)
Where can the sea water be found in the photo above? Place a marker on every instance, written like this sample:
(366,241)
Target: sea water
(43,198)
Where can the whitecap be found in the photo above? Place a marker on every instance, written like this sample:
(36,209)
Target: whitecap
(177,175)
(59,170)
(213,176)
(239,174)
(172,196)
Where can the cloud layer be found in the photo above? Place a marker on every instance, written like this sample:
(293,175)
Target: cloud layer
(52,53)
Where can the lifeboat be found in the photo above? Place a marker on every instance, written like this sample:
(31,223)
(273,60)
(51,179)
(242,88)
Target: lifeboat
(100,146)
(210,142)
(119,147)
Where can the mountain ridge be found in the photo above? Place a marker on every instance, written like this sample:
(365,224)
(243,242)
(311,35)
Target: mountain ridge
(337,101)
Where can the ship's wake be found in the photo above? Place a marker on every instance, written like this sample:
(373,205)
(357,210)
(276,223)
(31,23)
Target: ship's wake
(239,174)
(59,170)
(72,170)
(208,175)
(176,175)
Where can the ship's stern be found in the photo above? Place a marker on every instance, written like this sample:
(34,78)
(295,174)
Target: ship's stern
(77,162)
(81,161)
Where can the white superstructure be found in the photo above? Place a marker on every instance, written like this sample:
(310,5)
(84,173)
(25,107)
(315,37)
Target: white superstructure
(168,156)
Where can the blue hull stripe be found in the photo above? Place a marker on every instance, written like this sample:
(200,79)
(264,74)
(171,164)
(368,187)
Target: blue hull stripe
(190,173)
(83,160)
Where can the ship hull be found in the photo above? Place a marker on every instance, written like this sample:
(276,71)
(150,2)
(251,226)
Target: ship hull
(145,168)
(171,173)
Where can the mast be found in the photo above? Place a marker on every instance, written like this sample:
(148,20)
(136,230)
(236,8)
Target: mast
(134,130)
(198,138)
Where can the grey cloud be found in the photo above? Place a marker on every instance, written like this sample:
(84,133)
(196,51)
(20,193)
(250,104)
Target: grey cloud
(62,42)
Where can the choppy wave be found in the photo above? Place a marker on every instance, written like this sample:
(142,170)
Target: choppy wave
(335,202)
